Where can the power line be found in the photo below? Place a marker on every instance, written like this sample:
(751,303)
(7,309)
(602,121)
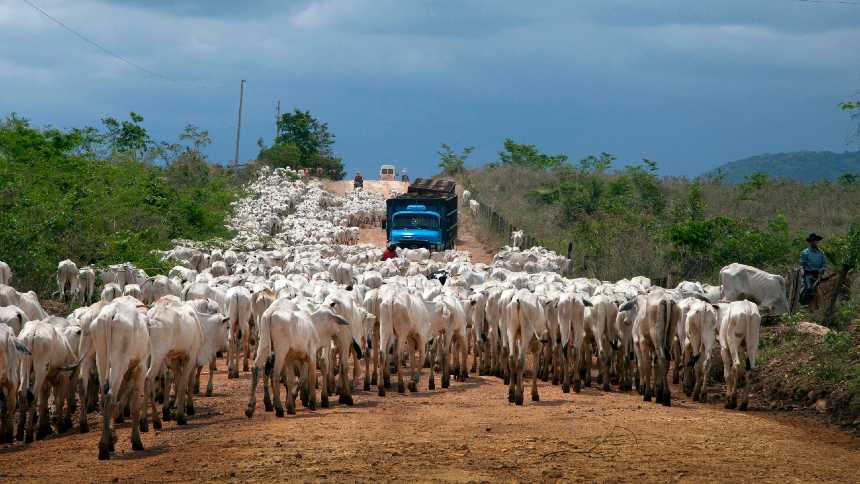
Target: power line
(96,44)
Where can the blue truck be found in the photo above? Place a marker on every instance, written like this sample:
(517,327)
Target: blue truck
(425,216)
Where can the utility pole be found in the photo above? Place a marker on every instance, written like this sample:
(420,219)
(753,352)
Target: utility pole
(277,119)
(239,124)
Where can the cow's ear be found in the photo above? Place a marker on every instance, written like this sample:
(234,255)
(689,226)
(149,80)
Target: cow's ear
(587,302)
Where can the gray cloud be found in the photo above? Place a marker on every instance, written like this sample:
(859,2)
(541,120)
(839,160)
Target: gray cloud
(692,84)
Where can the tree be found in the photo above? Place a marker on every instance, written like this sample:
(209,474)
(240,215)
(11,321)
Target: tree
(848,179)
(199,138)
(529,156)
(450,162)
(853,107)
(308,134)
(127,137)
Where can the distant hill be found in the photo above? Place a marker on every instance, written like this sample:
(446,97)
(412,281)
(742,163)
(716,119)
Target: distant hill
(806,166)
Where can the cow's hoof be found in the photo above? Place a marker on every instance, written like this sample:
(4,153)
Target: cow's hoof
(143,426)
(312,405)
(249,412)
(446,383)
(565,388)
(380,390)
(267,404)
(291,410)
(208,391)
(413,387)
(366,386)
(535,397)
(104,454)
(605,387)
(120,418)
(703,398)
(156,424)
(431,385)
(324,403)
(165,414)
(519,399)
(181,420)
(743,406)
(28,438)
(401,387)
(647,396)
(189,410)
(511,396)
(42,433)
(345,399)
(279,412)
(373,380)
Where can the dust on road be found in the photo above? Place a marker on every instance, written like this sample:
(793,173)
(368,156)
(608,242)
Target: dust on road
(468,432)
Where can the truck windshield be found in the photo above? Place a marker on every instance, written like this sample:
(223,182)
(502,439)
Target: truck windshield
(415,221)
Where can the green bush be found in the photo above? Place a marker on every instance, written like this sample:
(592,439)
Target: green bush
(59,200)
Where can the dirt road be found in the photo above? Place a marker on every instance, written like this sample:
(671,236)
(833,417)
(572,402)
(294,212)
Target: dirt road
(468,432)
(465,433)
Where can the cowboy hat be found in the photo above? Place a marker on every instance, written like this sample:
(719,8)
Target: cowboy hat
(814,237)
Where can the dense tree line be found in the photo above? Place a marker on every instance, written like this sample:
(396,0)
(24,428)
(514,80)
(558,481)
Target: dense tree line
(103,196)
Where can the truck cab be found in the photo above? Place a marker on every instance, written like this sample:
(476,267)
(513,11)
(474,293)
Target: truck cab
(416,226)
(425,216)
(387,173)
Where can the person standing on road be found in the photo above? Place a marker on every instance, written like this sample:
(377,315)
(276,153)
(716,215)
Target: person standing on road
(390,252)
(812,262)
(358,181)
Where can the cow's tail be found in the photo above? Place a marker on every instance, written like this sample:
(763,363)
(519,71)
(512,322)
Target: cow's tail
(264,345)
(27,369)
(753,327)
(600,316)
(666,334)
(235,318)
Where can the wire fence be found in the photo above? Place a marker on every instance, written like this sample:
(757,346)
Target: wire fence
(499,225)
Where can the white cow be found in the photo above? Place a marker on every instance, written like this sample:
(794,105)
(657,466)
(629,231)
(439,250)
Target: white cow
(11,352)
(746,282)
(238,309)
(111,291)
(467,196)
(132,290)
(47,366)
(295,336)
(701,332)
(653,333)
(740,323)
(120,340)
(474,206)
(517,237)
(67,279)
(13,317)
(403,328)
(525,325)
(5,273)
(175,339)
(86,285)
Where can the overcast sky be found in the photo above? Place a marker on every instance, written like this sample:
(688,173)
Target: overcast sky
(689,84)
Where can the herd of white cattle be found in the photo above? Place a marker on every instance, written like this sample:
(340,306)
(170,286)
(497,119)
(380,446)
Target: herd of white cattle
(295,301)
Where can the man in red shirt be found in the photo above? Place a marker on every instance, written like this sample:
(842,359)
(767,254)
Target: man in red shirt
(390,252)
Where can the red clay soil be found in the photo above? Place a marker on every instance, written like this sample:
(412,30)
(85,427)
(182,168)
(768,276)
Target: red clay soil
(468,432)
